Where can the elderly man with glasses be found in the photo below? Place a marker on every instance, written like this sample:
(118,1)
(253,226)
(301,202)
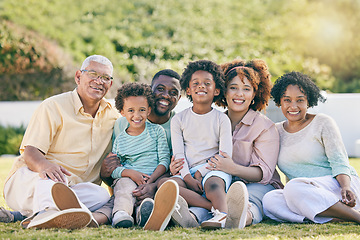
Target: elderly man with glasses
(55,181)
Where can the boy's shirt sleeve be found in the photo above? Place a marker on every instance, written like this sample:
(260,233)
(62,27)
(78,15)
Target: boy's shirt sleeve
(177,142)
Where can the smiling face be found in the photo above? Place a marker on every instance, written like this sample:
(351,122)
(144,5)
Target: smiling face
(294,104)
(239,95)
(136,110)
(167,94)
(202,88)
(92,90)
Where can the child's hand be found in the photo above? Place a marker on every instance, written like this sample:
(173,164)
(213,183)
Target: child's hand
(198,176)
(193,184)
(176,165)
(138,177)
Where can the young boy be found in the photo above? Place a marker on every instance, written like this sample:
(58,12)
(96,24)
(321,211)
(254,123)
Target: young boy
(198,133)
(142,149)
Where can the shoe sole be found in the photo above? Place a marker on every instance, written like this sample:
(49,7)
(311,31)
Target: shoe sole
(67,220)
(183,217)
(211,225)
(124,224)
(165,200)
(237,199)
(145,211)
(65,198)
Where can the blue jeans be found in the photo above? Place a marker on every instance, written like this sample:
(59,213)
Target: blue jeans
(256,194)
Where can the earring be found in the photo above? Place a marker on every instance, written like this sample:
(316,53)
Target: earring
(253,102)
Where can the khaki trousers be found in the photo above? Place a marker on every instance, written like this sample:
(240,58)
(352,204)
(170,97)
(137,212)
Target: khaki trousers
(124,200)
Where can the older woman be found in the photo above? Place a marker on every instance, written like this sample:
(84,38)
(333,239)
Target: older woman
(255,143)
(312,155)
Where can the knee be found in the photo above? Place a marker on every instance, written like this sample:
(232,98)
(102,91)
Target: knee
(161,181)
(294,187)
(270,199)
(103,196)
(214,184)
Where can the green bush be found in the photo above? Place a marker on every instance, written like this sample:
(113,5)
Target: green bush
(10,139)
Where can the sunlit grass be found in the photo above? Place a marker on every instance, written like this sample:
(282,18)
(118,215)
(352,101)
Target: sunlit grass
(265,230)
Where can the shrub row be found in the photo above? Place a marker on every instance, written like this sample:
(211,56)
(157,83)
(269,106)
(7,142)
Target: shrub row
(10,139)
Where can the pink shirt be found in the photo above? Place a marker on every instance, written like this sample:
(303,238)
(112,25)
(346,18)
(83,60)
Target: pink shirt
(256,143)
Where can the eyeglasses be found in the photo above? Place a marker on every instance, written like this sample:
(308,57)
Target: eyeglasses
(94,75)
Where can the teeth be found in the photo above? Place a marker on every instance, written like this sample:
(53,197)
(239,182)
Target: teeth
(238,101)
(165,103)
(294,113)
(201,93)
(96,88)
(136,121)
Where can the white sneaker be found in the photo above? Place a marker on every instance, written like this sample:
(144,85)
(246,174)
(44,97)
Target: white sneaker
(122,219)
(181,216)
(73,218)
(144,211)
(216,222)
(237,199)
(165,200)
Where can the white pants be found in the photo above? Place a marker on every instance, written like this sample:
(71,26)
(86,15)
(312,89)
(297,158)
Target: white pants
(304,198)
(26,192)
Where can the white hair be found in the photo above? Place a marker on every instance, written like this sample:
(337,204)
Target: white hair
(98,59)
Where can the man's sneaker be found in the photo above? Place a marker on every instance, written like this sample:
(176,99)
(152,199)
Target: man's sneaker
(6,216)
(181,216)
(216,222)
(165,200)
(65,198)
(122,219)
(73,218)
(237,199)
(145,209)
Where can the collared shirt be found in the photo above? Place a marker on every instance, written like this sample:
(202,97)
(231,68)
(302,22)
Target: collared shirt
(256,143)
(70,137)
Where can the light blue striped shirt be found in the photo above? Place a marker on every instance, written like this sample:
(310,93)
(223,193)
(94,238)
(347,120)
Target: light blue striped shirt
(142,153)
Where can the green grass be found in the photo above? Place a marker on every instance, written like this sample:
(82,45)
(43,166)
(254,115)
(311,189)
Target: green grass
(265,230)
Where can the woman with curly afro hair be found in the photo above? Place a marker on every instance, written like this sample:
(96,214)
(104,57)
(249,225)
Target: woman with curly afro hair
(312,155)
(255,143)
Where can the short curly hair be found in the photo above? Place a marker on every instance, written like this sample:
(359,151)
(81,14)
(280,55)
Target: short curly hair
(208,66)
(305,84)
(165,72)
(133,90)
(256,71)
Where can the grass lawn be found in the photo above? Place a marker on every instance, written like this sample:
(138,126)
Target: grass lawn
(265,230)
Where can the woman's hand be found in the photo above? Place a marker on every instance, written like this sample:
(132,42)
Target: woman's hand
(348,197)
(221,162)
(176,165)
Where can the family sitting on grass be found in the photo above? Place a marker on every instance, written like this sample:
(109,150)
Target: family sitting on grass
(222,170)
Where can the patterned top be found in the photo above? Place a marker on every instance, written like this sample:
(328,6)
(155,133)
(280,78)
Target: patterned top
(143,152)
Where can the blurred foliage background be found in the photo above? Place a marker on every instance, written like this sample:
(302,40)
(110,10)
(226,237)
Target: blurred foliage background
(42,42)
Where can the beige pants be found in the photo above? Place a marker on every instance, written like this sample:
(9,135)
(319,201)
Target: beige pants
(124,200)
(26,192)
